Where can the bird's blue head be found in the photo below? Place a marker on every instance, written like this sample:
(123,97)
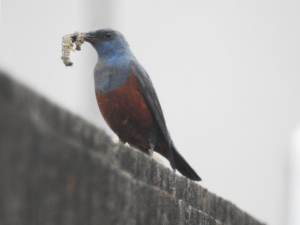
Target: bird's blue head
(108,43)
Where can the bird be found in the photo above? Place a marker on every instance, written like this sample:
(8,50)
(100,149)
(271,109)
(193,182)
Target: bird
(128,101)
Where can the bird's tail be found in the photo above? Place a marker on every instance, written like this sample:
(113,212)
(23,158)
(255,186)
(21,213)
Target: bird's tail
(183,167)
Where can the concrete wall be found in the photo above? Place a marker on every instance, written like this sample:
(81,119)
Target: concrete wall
(56,168)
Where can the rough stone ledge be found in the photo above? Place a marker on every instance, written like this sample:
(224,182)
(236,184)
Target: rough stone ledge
(56,168)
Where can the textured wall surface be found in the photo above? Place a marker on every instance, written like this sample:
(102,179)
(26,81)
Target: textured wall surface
(55,168)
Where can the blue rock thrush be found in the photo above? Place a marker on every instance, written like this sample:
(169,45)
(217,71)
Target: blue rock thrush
(128,101)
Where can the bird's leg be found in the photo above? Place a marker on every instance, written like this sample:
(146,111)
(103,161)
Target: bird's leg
(152,146)
(122,140)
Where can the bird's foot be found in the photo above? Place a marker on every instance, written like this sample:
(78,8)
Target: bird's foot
(122,140)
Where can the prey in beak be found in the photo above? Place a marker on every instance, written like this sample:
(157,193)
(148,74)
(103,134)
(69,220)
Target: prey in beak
(67,44)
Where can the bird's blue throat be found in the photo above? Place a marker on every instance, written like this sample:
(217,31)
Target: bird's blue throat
(112,69)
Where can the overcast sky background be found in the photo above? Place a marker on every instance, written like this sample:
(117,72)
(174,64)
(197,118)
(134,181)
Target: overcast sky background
(226,73)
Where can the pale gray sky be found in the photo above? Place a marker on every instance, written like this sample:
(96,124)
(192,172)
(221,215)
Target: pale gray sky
(226,73)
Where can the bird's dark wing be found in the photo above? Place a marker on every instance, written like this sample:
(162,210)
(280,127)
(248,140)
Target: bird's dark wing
(148,92)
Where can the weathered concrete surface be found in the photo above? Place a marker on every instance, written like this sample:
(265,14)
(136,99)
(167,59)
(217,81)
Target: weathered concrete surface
(55,168)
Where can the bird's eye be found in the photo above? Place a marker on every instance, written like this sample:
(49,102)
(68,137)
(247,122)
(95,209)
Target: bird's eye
(108,35)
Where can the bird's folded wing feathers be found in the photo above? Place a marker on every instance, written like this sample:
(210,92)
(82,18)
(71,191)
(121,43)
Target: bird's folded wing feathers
(148,92)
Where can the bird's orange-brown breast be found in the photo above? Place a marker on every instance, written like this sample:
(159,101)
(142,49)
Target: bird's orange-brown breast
(127,113)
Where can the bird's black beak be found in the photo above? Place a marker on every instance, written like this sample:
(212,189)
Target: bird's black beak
(86,36)
(90,37)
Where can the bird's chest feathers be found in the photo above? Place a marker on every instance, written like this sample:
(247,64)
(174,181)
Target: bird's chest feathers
(111,74)
(125,110)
